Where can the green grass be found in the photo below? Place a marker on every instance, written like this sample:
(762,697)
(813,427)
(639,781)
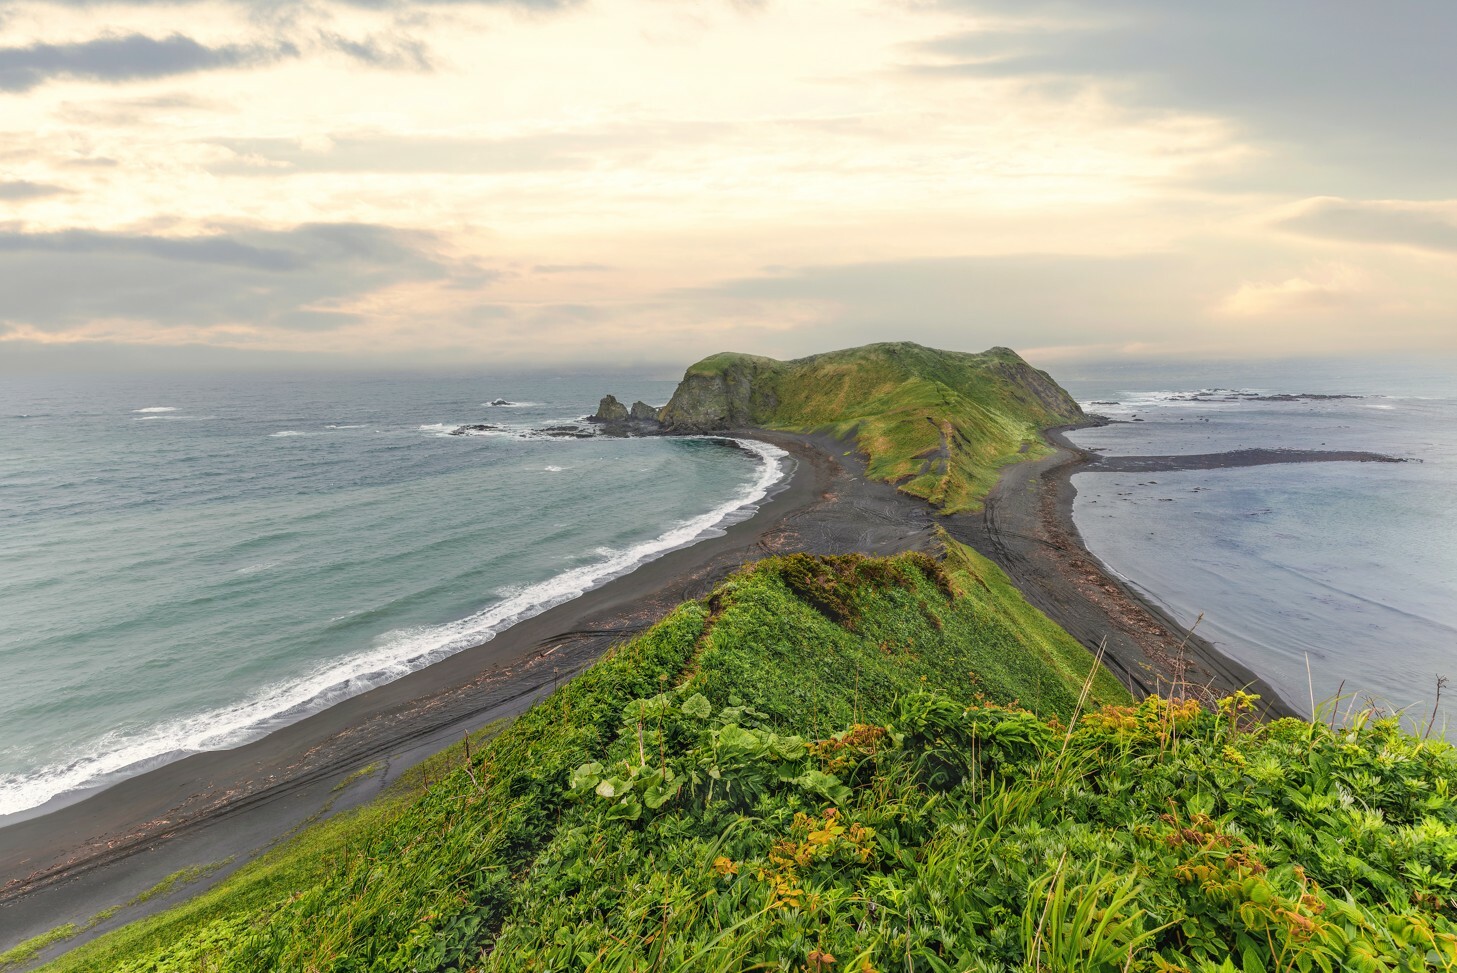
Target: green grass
(190,934)
(422,876)
(368,770)
(30,948)
(852,764)
(939,424)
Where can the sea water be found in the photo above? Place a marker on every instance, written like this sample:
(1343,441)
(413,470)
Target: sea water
(189,563)
(1324,578)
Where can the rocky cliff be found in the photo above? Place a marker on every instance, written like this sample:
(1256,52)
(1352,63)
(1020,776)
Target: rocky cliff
(727,391)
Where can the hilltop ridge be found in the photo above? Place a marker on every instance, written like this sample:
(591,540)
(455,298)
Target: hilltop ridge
(938,424)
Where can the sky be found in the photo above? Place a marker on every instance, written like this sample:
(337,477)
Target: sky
(491,183)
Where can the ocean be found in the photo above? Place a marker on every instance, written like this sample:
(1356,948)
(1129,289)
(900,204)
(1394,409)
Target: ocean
(1349,568)
(187,563)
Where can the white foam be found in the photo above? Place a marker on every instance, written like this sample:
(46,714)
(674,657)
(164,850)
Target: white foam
(117,756)
(285,432)
(157,408)
(171,418)
(510,405)
(333,426)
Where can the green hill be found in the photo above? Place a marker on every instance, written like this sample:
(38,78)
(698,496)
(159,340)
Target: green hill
(827,765)
(939,424)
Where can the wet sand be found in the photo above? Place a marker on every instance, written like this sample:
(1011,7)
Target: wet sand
(70,864)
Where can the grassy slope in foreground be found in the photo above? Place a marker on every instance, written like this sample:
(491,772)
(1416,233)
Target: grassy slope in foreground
(820,768)
(423,880)
(939,424)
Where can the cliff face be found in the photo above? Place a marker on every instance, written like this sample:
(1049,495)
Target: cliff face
(727,391)
(1034,388)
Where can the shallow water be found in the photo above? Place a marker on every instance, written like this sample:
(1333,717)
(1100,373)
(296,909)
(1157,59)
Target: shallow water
(189,563)
(1351,566)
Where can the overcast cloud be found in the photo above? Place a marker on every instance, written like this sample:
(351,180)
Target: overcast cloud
(128,58)
(299,279)
(638,181)
(1361,84)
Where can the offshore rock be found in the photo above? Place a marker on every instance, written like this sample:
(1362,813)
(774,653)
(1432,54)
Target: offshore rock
(615,419)
(610,410)
(567,431)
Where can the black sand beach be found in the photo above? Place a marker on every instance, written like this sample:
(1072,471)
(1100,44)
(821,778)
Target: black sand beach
(68,865)
(1027,528)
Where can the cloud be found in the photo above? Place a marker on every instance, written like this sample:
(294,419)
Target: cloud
(1360,87)
(274,7)
(21,190)
(965,301)
(131,57)
(1316,292)
(586,268)
(297,279)
(382,51)
(1424,226)
(552,151)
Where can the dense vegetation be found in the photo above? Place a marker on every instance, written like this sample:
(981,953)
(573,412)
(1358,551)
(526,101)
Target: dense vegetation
(939,424)
(843,764)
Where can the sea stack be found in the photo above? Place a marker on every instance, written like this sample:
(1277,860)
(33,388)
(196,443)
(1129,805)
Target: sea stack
(617,419)
(610,410)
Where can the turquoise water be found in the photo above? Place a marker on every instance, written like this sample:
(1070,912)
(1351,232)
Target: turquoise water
(1349,568)
(187,563)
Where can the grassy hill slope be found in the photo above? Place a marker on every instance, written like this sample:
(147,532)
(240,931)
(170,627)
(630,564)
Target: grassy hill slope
(423,879)
(939,424)
(827,766)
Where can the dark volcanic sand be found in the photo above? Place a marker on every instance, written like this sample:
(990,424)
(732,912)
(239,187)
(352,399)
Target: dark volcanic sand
(1233,459)
(1027,528)
(68,865)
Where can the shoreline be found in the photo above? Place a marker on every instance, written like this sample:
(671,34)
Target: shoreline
(80,859)
(70,864)
(775,471)
(1027,528)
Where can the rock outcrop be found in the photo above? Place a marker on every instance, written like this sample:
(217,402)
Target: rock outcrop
(610,410)
(615,419)
(475,429)
(726,391)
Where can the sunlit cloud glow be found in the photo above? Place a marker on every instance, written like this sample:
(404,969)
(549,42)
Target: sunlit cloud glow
(644,181)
